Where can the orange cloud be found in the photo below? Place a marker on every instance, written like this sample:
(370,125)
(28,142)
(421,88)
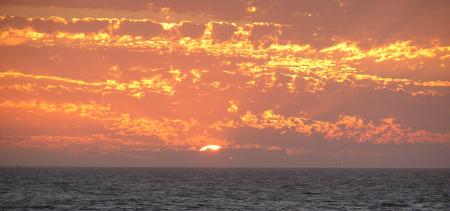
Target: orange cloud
(386,130)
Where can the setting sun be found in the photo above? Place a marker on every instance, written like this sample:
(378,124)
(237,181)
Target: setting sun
(211,148)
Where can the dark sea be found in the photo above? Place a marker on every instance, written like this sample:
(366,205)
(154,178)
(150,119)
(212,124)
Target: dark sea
(223,189)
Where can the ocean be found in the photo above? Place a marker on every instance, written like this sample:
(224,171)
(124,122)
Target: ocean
(224,189)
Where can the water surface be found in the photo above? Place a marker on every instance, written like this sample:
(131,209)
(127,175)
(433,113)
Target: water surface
(224,188)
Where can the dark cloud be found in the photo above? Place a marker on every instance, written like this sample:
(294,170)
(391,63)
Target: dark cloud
(192,30)
(88,26)
(84,4)
(222,31)
(314,22)
(55,24)
(139,28)
(14,22)
(367,156)
(265,34)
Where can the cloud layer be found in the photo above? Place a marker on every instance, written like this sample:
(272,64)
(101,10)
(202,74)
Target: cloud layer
(302,80)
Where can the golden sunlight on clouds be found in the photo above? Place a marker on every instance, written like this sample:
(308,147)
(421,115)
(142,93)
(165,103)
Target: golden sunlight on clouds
(296,78)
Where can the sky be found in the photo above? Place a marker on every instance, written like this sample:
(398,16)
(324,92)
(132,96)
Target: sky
(327,83)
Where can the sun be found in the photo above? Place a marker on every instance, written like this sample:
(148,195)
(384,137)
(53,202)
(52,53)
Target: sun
(210,148)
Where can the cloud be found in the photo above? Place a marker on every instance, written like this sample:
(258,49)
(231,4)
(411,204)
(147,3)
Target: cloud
(316,80)
(313,22)
(222,31)
(190,29)
(384,131)
(139,28)
(102,4)
(88,25)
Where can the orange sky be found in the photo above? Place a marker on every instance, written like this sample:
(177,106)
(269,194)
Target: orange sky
(273,83)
